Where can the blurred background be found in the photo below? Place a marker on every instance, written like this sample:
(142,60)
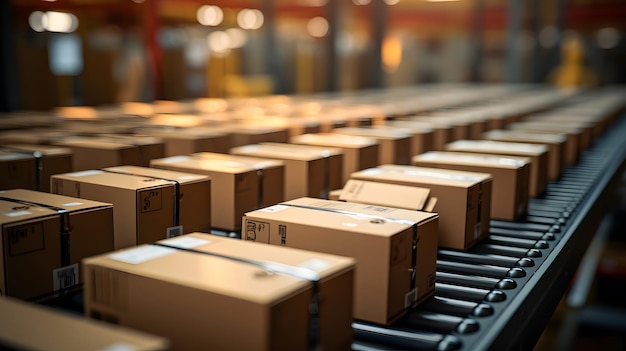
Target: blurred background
(98,52)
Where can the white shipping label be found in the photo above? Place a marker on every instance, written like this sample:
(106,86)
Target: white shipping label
(275,208)
(315,264)
(119,346)
(410,298)
(85,173)
(174,231)
(142,254)
(187,242)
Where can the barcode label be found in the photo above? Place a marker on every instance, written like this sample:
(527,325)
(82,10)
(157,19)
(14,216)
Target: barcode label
(410,298)
(65,277)
(174,231)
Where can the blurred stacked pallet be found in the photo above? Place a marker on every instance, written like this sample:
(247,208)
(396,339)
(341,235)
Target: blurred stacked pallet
(514,178)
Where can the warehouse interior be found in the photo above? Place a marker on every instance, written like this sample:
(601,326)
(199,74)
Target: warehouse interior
(94,68)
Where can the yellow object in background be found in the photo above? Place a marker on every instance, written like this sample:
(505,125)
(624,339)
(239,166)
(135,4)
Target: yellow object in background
(572,73)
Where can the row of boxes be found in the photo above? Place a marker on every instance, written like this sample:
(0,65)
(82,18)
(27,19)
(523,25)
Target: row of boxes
(371,257)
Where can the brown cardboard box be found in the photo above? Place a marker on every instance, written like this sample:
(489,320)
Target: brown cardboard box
(94,154)
(49,160)
(33,136)
(251,134)
(463,199)
(194,195)
(596,123)
(143,207)
(239,184)
(150,147)
(17,170)
(391,195)
(422,137)
(460,128)
(573,137)
(309,170)
(537,153)
(44,237)
(394,144)
(358,152)
(555,143)
(585,128)
(511,176)
(442,133)
(26,326)
(184,141)
(199,291)
(387,244)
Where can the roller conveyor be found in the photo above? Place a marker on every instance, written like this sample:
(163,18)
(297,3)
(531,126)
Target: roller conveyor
(501,293)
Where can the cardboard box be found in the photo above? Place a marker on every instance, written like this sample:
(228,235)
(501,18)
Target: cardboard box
(94,154)
(184,141)
(17,170)
(442,133)
(585,128)
(150,147)
(573,137)
(239,184)
(596,123)
(251,134)
(391,195)
(49,160)
(309,170)
(44,237)
(463,199)
(422,137)
(555,143)
(537,153)
(387,243)
(394,144)
(199,291)
(358,152)
(511,176)
(194,195)
(460,128)
(27,326)
(143,207)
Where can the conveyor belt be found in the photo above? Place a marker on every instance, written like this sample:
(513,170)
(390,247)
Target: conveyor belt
(500,294)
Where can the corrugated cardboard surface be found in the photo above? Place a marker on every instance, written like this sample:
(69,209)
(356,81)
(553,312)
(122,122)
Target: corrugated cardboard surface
(201,301)
(463,199)
(31,327)
(536,152)
(509,196)
(35,261)
(379,238)
(143,207)
(239,184)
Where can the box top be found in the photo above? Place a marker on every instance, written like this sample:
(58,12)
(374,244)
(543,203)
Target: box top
(123,181)
(391,213)
(214,162)
(407,129)
(6,155)
(422,175)
(278,151)
(500,134)
(182,133)
(314,149)
(87,143)
(378,133)
(45,150)
(138,140)
(416,124)
(492,146)
(61,201)
(385,194)
(180,177)
(546,126)
(472,159)
(334,140)
(358,218)
(15,212)
(54,330)
(246,275)
(441,120)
